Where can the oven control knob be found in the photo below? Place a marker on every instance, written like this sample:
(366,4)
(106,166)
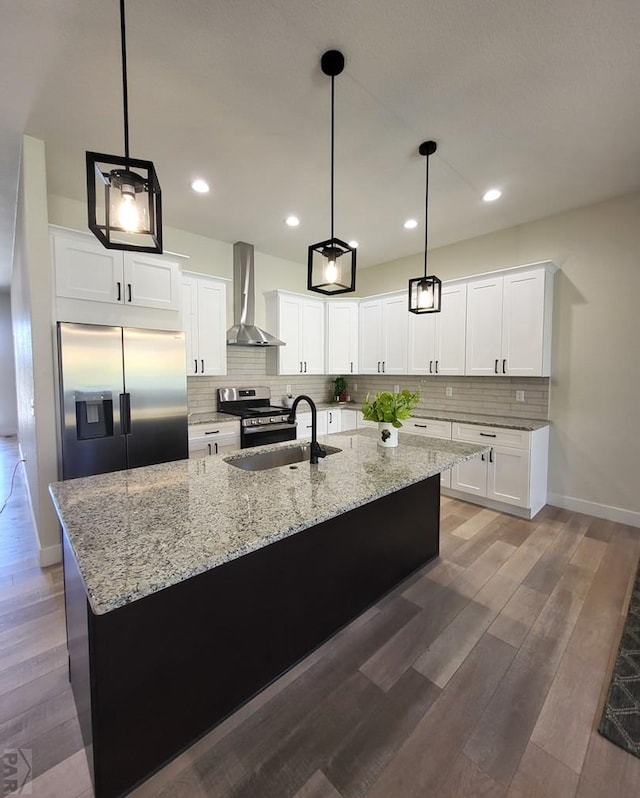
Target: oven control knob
(255,421)
(273,420)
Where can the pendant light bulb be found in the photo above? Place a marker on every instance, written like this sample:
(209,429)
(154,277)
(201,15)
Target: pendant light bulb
(331,271)
(128,215)
(425,296)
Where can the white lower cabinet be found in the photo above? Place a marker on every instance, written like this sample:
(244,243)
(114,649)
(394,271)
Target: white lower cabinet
(349,419)
(431,428)
(513,472)
(206,440)
(304,424)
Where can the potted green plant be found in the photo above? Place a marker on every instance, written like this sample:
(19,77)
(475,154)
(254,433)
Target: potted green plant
(340,389)
(389,410)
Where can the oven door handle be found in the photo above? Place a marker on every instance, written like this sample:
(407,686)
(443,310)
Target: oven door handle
(268,428)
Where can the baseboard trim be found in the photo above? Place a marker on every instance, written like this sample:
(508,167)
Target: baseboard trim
(482,501)
(50,555)
(606,511)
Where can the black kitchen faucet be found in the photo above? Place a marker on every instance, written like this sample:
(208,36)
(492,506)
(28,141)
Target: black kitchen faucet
(316,450)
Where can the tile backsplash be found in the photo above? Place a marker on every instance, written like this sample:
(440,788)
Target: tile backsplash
(486,395)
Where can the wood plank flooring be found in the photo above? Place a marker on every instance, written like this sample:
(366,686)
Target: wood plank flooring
(482,675)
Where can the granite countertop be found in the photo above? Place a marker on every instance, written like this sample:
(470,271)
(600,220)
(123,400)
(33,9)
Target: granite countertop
(502,422)
(136,532)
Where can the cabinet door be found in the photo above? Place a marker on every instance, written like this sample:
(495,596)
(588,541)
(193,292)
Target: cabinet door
(342,337)
(348,420)
(304,424)
(370,335)
(471,476)
(151,282)
(334,419)
(523,324)
(312,336)
(450,329)
(484,327)
(421,338)
(212,314)
(394,334)
(290,331)
(189,312)
(508,476)
(86,270)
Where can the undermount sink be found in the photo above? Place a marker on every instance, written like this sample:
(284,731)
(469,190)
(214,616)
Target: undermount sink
(260,461)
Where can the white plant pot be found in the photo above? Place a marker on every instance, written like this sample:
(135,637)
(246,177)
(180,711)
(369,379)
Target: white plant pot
(387,435)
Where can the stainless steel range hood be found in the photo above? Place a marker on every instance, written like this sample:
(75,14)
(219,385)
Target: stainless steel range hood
(244,332)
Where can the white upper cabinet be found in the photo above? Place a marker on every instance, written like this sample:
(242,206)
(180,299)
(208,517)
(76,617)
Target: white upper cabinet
(85,270)
(437,340)
(509,323)
(204,320)
(383,335)
(342,337)
(299,322)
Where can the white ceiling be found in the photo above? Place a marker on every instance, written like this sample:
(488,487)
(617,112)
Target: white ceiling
(539,98)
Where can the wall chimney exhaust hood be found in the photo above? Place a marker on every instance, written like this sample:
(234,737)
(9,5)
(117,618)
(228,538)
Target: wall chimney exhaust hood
(244,332)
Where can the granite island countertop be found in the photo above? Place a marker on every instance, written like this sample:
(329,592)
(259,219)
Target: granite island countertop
(139,531)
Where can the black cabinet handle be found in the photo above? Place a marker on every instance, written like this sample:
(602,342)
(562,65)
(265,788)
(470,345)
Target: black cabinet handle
(216,445)
(431,367)
(202,364)
(496,366)
(330,417)
(482,456)
(422,426)
(436,366)
(119,291)
(352,367)
(196,368)
(209,448)
(305,366)
(504,366)
(378,367)
(300,367)
(491,455)
(488,434)
(129,290)
(383,366)
(212,432)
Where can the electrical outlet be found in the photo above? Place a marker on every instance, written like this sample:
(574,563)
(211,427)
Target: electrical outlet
(288,389)
(396,389)
(355,386)
(519,396)
(448,391)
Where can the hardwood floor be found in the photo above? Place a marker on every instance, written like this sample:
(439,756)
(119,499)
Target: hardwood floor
(482,675)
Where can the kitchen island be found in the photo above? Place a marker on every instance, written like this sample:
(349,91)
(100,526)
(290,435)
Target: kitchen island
(190,586)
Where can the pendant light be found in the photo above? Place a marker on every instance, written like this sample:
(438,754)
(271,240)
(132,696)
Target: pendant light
(123,193)
(425,292)
(332,263)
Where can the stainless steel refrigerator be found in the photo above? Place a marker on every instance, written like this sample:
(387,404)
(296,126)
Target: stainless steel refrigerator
(123,398)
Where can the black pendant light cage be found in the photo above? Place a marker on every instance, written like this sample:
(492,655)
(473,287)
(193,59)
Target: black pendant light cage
(123,194)
(331,265)
(425,292)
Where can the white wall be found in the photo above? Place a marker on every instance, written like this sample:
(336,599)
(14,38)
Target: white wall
(8,406)
(595,384)
(32,332)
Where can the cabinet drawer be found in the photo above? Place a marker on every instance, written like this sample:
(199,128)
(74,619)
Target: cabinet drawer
(214,431)
(474,433)
(434,428)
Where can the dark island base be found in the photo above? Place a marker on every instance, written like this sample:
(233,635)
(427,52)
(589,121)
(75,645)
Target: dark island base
(153,676)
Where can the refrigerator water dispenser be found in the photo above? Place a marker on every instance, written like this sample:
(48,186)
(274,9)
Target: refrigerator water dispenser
(94,414)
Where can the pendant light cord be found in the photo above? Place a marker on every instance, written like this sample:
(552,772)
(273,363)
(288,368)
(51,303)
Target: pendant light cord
(125,93)
(426,211)
(333,102)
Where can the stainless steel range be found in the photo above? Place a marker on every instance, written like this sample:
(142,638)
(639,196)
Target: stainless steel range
(261,422)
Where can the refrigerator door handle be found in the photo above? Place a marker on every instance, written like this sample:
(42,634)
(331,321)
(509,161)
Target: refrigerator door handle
(125,413)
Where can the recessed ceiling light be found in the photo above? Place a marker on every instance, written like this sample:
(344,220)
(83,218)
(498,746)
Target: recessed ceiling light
(410,224)
(492,194)
(200,186)
(292,221)
(353,244)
